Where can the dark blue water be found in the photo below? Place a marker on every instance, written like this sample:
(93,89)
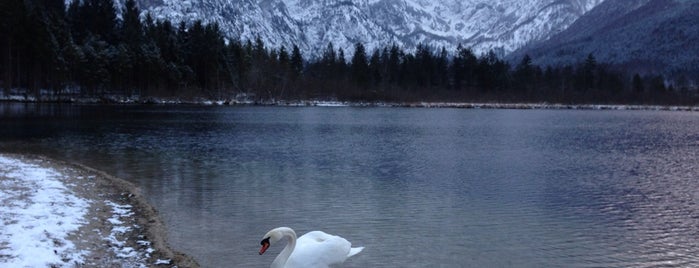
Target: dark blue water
(416,187)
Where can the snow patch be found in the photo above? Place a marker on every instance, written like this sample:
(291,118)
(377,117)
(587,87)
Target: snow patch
(163,262)
(122,214)
(38,213)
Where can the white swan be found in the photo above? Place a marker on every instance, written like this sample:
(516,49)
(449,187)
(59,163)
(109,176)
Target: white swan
(315,249)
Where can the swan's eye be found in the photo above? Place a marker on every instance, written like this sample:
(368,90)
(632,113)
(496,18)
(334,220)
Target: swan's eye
(264,241)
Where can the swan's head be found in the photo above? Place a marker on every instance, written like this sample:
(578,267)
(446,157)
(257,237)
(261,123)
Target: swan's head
(265,245)
(271,237)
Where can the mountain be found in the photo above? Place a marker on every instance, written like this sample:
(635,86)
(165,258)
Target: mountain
(644,36)
(499,25)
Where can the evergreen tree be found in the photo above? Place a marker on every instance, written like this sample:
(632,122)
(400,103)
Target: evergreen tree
(131,27)
(329,56)
(485,72)
(441,70)
(394,64)
(99,16)
(76,20)
(283,56)
(43,45)
(524,74)
(586,74)
(422,68)
(340,69)
(360,66)
(259,50)
(341,58)
(95,68)
(609,81)
(656,84)
(637,83)
(383,68)
(296,61)
(375,67)
(464,66)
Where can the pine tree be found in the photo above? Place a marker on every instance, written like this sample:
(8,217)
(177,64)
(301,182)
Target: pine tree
(375,67)
(329,56)
(524,74)
(341,58)
(360,66)
(259,50)
(394,64)
(464,67)
(441,69)
(76,18)
(637,84)
(656,84)
(131,27)
(296,61)
(99,16)
(422,69)
(283,57)
(586,76)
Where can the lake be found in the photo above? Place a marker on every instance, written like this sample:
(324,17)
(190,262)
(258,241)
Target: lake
(417,187)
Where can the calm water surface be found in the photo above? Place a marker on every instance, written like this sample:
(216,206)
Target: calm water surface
(416,187)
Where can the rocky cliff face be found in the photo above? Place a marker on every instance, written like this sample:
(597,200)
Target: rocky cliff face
(499,25)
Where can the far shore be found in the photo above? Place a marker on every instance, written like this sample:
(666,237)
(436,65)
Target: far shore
(115,100)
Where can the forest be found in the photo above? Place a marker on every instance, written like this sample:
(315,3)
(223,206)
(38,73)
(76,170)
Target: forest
(90,49)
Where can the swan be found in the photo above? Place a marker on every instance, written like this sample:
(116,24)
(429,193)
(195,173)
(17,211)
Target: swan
(315,249)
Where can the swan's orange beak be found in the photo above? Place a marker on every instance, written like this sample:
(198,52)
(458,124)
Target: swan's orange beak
(265,245)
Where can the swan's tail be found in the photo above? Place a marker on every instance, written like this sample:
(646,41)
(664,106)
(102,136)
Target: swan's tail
(354,251)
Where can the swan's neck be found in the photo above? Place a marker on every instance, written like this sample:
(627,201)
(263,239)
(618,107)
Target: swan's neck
(283,256)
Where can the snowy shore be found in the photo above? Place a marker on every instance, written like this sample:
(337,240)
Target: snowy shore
(56,214)
(334,103)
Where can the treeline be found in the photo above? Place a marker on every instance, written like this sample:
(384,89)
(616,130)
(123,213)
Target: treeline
(90,49)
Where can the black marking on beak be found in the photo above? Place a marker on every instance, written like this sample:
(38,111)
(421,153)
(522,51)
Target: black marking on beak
(265,245)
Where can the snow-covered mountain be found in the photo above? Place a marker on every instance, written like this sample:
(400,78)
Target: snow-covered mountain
(499,25)
(644,36)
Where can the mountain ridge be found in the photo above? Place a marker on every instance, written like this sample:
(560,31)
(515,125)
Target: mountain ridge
(501,26)
(643,36)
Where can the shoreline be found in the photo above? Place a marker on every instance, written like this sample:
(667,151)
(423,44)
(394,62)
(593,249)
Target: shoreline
(119,228)
(335,103)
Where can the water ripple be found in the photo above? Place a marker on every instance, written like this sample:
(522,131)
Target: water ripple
(417,187)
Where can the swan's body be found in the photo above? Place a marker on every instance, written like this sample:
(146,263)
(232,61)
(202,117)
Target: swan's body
(315,249)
